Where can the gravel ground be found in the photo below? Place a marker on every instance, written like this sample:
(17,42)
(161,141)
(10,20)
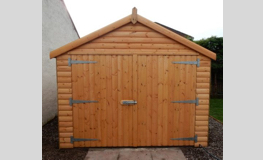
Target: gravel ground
(50,149)
(215,144)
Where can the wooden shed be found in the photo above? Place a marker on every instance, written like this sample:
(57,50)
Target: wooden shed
(133,83)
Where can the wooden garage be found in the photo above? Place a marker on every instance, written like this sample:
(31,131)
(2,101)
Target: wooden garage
(133,83)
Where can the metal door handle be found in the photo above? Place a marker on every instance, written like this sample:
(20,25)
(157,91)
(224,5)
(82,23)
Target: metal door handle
(128,102)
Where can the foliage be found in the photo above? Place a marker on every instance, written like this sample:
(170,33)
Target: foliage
(216,109)
(214,44)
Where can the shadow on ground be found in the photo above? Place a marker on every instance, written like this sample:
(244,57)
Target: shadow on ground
(50,150)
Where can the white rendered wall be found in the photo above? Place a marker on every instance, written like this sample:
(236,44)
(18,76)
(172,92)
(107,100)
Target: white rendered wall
(57,30)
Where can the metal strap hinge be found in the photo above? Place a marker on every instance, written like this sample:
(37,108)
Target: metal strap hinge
(72,139)
(187,138)
(78,62)
(189,62)
(71,101)
(188,101)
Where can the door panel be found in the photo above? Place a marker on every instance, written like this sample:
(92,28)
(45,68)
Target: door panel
(160,82)
(112,79)
(108,81)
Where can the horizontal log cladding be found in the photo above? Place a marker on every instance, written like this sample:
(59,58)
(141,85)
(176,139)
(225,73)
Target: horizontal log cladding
(63,62)
(64,140)
(63,68)
(65,124)
(65,135)
(65,118)
(65,113)
(65,90)
(64,96)
(66,145)
(202,85)
(131,46)
(201,123)
(201,118)
(64,74)
(65,108)
(65,129)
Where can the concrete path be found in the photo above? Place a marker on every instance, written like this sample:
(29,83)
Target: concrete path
(170,153)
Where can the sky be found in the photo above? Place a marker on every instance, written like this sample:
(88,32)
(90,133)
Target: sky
(200,19)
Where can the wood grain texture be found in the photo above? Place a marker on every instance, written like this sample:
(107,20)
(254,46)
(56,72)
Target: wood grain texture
(64,96)
(133,51)
(65,135)
(62,62)
(133,40)
(154,100)
(126,40)
(114,85)
(201,123)
(134,46)
(64,108)
(64,85)
(124,21)
(65,129)
(201,128)
(156,91)
(135,34)
(64,91)
(62,102)
(65,124)
(63,57)
(135,28)
(63,68)
(203,93)
(64,74)
(201,118)
(202,96)
(202,85)
(201,134)
(65,118)
(65,113)
(64,140)
(203,107)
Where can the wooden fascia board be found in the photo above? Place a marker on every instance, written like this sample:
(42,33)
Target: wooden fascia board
(90,37)
(176,37)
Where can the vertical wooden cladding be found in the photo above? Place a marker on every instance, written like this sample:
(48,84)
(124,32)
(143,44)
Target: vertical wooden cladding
(65,122)
(159,83)
(108,81)
(203,93)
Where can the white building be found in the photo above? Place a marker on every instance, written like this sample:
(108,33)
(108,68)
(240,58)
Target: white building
(57,30)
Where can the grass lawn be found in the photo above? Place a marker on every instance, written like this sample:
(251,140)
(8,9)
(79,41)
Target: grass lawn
(216,109)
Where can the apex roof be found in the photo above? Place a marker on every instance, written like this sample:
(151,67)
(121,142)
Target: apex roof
(134,18)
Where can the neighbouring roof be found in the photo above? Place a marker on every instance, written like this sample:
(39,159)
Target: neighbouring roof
(134,17)
(176,31)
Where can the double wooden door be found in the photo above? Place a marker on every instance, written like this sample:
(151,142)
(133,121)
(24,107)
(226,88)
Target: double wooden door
(153,81)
